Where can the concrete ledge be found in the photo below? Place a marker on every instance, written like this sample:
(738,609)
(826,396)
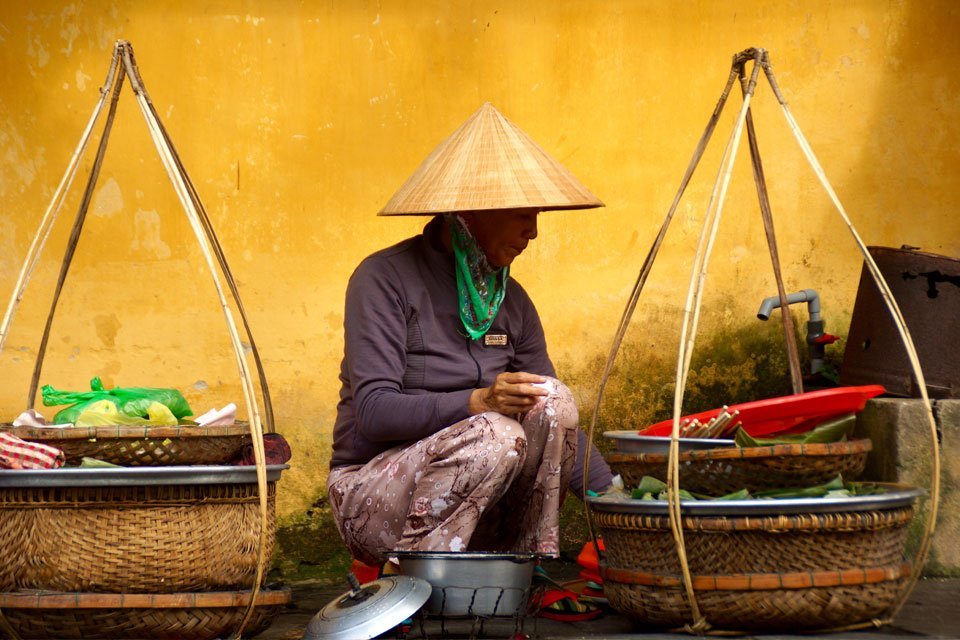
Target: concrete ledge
(902,452)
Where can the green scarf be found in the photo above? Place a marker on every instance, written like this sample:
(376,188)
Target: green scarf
(480,287)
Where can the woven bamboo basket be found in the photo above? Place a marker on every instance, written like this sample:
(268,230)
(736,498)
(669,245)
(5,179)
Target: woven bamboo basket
(185,616)
(139,446)
(720,471)
(705,587)
(799,571)
(159,539)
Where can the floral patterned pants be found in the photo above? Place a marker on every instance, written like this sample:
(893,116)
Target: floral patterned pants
(487,483)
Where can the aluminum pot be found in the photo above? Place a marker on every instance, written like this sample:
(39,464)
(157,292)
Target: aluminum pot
(472,584)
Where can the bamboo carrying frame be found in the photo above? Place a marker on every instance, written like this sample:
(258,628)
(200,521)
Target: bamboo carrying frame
(693,588)
(123,65)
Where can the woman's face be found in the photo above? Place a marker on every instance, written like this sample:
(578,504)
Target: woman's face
(503,235)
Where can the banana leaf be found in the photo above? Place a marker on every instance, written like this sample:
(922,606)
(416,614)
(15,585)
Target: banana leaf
(835,485)
(835,430)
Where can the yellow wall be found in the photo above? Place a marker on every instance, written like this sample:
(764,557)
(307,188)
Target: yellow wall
(298,119)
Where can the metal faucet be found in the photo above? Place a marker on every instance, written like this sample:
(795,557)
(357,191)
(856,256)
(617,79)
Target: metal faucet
(817,339)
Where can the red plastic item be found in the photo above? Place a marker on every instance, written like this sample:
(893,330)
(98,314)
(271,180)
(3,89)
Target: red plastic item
(364,572)
(785,414)
(589,561)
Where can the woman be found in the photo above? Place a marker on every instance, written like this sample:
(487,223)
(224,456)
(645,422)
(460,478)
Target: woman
(452,431)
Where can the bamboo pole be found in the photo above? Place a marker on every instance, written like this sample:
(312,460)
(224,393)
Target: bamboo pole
(183,192)
(906,339)
(74,238)
(122,63)
(687,340)
(43,233)
(641,281)
(786,316)
(53,209)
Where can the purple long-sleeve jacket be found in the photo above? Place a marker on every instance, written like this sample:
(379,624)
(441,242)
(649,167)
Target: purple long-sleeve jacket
(409,367)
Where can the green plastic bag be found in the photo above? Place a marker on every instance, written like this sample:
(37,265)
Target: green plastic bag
(130,401)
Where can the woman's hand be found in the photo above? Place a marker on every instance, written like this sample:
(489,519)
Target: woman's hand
(511,393)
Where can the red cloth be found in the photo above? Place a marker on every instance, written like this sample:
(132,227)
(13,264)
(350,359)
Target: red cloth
(274,446)
(16,453)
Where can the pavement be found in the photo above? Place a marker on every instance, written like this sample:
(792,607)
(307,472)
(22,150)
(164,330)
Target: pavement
(932,611)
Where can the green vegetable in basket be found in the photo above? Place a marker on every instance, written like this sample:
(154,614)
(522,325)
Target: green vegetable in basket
(834,430)
(129,401)
(653,489)
(835,488)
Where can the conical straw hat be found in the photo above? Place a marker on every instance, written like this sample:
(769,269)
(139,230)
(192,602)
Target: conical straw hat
(489,163)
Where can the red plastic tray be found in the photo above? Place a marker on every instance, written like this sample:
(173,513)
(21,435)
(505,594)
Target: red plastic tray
(785,414)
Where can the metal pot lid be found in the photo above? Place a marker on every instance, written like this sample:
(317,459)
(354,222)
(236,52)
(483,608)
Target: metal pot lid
(367,611)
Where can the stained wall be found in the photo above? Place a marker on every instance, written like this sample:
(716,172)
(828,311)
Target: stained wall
(297,120)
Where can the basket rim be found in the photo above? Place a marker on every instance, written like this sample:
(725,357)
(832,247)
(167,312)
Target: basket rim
(762,581)
(238,429)
(852,447)
(184,600)
(761,515)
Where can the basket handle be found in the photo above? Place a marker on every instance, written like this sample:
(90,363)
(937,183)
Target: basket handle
(204,231)
(123,63)
(761,60)
(641,281)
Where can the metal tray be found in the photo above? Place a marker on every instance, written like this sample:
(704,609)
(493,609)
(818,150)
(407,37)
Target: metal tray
(899,496)
(136,476)
(633,442)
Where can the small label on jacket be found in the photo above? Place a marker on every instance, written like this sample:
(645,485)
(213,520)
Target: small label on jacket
(495,340)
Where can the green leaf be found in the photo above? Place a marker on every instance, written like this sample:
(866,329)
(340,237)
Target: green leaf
(834,430)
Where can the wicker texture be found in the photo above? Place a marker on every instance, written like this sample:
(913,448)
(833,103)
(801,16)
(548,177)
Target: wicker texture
(489,163)
(720,471)
(142,446)
(714,545)
(158,539)
(738,564)
(160,624)
(766,610)
(181,616)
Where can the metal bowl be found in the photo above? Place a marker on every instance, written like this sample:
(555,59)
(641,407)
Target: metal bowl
(472,584)
(632,442)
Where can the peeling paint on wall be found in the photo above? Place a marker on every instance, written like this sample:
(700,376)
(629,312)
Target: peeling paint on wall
(147,235)
(107,200)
